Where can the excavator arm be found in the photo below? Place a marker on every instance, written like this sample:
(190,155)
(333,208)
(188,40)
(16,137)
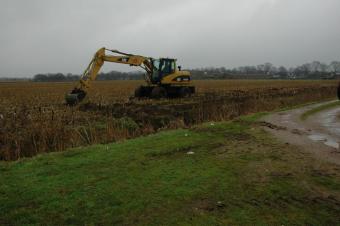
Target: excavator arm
(91,72)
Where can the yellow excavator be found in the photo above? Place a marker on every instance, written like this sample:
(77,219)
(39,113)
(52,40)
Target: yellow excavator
(163,78)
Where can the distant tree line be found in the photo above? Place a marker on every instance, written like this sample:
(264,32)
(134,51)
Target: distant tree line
(314,70)
(57,77)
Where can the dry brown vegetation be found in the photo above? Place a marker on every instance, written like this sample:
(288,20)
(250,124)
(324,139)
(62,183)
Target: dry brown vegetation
(33,118)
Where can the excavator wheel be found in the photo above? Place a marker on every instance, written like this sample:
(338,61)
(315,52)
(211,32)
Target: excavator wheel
(158,92)
(139,92)
(143,91)
(184,92)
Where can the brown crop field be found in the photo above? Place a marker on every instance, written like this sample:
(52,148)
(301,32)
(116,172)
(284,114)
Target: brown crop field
(34,119)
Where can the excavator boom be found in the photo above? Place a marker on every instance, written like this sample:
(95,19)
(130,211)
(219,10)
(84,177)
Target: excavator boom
(91,72)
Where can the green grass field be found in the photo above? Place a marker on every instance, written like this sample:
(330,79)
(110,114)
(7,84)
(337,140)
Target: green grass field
(236,174)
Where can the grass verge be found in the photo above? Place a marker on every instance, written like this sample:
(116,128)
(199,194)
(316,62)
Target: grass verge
(323,107)
(229,173)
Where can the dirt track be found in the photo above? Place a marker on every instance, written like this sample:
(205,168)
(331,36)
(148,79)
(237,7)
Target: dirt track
(319,134)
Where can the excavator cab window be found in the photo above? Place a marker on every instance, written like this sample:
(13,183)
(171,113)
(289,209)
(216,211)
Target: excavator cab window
(167,66)
(155,71)
(162,68)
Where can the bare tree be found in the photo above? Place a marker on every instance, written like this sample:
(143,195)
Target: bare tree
(323,68)
(335,66)
(260,68)
(268,67)
(282,71)
(305,68)
(315,66)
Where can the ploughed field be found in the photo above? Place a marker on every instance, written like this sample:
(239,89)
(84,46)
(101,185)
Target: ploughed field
(34,119)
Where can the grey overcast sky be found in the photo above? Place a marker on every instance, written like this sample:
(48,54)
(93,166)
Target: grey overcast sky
(41,36)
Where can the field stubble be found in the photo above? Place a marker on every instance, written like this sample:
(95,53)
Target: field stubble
(33,118)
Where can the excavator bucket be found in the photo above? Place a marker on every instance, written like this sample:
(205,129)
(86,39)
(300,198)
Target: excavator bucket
(74,97)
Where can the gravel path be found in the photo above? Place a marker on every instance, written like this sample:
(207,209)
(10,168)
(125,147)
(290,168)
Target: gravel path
(319,134)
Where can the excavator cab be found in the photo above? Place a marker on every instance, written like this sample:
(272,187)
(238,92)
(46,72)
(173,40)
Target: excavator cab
(161,68)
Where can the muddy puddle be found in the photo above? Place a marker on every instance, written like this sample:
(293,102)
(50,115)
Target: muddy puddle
(325,139)
(329,122)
